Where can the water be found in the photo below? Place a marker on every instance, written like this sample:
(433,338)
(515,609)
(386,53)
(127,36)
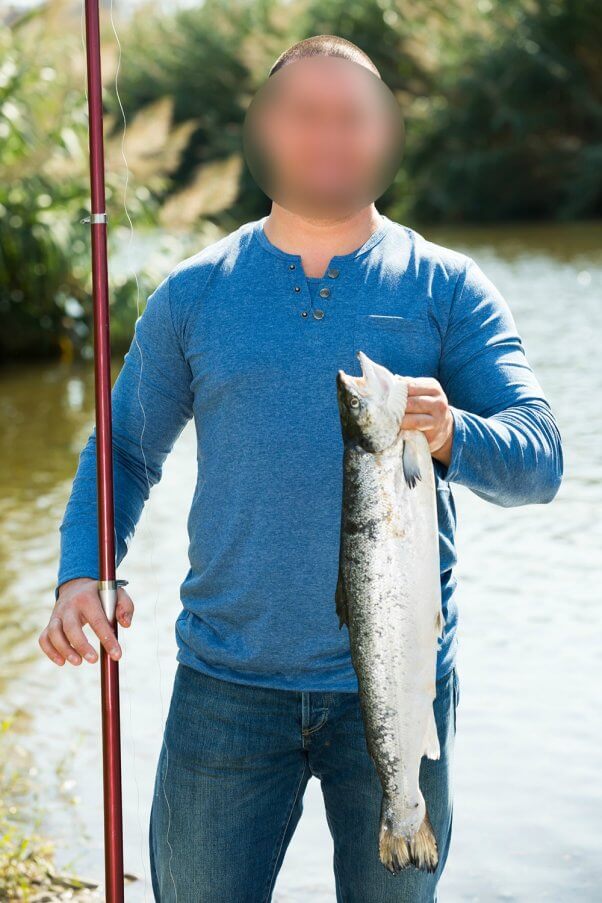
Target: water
(528,797)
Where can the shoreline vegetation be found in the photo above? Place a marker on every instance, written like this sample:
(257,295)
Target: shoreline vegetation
(499,105)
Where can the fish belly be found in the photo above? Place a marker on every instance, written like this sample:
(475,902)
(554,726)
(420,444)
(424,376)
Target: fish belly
(393,586)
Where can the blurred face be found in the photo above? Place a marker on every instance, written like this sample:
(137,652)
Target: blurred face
(323,137)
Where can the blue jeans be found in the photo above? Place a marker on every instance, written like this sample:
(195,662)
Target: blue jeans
(229,792)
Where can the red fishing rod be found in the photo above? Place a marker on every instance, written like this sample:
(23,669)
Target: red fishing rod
(107,584)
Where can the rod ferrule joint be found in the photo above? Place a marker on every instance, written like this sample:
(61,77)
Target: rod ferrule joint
(107,590)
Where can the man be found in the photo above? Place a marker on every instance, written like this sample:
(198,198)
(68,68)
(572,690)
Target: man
(246,337)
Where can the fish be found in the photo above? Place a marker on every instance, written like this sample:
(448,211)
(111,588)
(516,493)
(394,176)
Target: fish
(388,593)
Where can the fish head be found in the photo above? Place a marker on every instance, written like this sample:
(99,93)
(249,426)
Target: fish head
(371,406)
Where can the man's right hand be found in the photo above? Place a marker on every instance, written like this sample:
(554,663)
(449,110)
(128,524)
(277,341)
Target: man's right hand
(79,603)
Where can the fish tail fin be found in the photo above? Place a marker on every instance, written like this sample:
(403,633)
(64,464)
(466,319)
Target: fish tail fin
(397,853)
(409,461)
(424,852)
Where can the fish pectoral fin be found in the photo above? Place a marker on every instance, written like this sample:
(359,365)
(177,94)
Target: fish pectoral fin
(341,600)
(432,750)
(410,465)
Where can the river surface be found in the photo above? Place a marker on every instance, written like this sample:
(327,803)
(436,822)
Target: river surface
(528,792)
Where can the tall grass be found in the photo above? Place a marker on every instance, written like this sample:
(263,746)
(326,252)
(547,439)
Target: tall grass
(45,275)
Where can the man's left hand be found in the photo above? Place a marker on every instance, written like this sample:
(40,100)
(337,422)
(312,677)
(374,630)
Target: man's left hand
(428,410)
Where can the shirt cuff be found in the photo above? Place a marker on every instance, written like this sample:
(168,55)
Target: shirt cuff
(78,553)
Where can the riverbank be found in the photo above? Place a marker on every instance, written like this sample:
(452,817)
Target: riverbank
(28,871)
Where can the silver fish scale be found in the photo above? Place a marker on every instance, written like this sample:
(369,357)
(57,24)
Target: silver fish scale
(379,556)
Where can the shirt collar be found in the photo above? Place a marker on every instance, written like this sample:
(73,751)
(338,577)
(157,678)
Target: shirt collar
(370,242)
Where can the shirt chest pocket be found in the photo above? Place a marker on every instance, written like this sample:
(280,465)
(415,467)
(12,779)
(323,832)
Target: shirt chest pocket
(410,346)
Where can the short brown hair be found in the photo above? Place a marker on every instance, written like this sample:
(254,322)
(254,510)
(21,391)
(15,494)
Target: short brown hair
(324,45)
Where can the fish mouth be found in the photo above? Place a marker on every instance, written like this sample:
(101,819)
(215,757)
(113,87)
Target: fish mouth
(364,383)
(369,382)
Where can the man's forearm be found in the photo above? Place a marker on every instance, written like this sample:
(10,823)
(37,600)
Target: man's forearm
(511,458)
(79,526)
(151,402)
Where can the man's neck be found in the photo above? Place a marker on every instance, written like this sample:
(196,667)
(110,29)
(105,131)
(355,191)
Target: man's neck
(318,241)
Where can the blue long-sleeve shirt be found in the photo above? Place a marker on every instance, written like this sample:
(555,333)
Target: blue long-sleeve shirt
(237,337)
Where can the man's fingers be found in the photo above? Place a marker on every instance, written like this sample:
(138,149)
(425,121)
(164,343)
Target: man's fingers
(98,621)
(124,611)
(60,642)
(424,385)
(73,631)
(417,422)
(64,639)
(434,405)
(47,647)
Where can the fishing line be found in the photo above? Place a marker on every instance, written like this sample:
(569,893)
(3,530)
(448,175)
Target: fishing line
(123,668)
(149,487)
(127,688)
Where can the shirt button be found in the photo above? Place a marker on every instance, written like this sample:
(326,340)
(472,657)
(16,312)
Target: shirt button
(318,314)
(303,313)
(332,274)
(297,288)
(324,292)
(291,266)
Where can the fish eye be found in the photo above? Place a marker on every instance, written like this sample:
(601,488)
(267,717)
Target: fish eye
(354,402)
